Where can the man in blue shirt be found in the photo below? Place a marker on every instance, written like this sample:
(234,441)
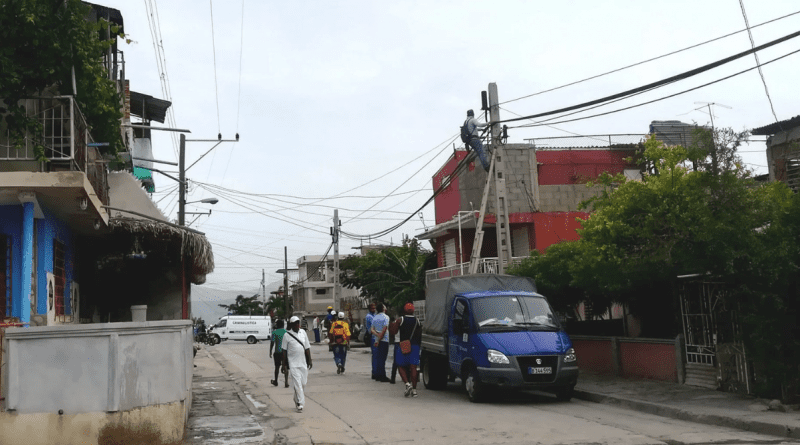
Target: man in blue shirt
(380,343)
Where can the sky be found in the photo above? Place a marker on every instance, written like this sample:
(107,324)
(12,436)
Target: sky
(355,104)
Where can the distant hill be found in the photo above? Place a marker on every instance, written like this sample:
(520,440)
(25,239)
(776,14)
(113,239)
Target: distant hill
(205,300)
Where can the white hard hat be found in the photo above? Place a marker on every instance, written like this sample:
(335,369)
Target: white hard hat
(341,314)
(294,319)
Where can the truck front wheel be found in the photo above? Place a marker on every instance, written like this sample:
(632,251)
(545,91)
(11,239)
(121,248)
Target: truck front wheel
(251,340)
(476,390)
(434,373)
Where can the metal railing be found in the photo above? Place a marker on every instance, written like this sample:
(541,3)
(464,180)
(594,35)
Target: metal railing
(65,137)
(485,265)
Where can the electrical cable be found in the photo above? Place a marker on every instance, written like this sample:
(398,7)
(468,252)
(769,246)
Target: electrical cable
(760,73)
(214,49)
(649,60)
(665,97)
(660,83)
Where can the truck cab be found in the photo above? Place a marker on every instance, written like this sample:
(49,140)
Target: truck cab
(500,338)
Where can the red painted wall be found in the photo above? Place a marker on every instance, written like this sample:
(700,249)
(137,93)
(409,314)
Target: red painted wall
(553,227)
(572,166)
(594,355)
(648,360)
(448,203)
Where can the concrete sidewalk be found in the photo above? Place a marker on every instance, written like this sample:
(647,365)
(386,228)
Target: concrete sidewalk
(221,412)
(690,403)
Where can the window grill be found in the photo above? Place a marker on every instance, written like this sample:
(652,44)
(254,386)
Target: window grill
(59,274)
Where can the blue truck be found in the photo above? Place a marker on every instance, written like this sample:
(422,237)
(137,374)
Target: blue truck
(494,331)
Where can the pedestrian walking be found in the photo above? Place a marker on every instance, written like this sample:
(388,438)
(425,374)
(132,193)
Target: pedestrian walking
(277,342)
(380,343)
(297,359)
(368,334)
(406,355)
(340,339)
(316,329)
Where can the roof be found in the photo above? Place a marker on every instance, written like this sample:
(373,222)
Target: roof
(481,294)
(149,107)
(112,15)
(776,127)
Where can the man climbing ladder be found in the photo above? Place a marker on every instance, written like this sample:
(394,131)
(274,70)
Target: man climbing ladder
(471,126)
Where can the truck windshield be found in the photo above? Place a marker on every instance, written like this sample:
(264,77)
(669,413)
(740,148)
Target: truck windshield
(513,311)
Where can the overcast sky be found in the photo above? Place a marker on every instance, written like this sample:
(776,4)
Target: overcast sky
(333,95)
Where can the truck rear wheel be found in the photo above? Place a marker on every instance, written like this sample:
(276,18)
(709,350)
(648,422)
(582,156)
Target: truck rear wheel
(434,372)
(251,340)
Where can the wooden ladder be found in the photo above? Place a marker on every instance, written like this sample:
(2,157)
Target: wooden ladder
(502,228)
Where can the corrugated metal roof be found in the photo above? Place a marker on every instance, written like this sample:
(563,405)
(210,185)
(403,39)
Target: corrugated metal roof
(776,127)
(149,107)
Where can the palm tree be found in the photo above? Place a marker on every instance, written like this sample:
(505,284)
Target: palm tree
(402,278)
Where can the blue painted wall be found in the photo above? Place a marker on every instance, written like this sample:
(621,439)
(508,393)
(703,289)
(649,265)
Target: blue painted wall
(49,229)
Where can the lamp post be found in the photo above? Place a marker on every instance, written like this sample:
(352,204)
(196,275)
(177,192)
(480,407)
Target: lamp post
(460,243)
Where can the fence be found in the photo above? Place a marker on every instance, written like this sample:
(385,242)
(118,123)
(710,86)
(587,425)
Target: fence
(648,358)
(486,265)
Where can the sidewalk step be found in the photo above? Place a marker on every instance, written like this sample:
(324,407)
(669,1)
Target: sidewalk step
(703,376)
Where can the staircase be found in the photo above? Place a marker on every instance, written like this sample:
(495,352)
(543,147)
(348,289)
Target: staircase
(704,376)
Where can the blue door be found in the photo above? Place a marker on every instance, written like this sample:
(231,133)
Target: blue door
(459,334)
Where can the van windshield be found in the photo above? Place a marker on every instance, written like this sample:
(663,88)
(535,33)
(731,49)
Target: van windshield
(513,311)
(222,323)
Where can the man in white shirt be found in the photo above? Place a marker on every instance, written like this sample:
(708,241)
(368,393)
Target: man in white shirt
(297,359)
(316,329)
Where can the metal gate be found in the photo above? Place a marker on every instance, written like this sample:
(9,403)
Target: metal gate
(713,334)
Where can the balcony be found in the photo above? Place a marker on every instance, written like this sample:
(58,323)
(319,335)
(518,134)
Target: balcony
(65,137)
(486,265)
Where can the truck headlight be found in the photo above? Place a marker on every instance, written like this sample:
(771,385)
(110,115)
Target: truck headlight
(497,357)
(570,356)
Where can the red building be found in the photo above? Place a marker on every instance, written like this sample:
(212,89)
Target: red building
(544,189)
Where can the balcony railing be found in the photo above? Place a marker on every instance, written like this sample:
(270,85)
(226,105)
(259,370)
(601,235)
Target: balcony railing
(486,265)
(65,137)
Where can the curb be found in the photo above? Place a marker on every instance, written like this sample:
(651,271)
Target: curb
(771,429)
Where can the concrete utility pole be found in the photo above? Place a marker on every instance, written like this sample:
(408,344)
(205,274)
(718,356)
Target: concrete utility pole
(264,292)
(335,233)
(182,182)
(285,281)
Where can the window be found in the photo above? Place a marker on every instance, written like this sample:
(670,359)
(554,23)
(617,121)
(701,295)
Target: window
(321,291)
(59,274)
(5,276)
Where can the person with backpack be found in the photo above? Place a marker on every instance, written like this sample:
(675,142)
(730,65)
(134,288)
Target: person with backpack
(339,337)
(297,359)
(276,341)
(470,136)
(408,330)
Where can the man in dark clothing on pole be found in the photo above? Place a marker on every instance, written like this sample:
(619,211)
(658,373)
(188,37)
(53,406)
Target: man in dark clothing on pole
(472,125)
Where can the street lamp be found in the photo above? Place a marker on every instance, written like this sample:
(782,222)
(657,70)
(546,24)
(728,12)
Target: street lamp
(211,201)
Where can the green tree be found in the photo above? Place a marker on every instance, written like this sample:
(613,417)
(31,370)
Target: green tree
(393,275)
(244,306)
(42,41)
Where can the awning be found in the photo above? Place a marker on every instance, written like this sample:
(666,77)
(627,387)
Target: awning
(148,107)
(467,222)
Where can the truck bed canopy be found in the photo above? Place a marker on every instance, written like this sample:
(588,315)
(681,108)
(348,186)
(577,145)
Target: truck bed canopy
(440,293)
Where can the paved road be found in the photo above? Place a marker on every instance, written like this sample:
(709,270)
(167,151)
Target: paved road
(352,408)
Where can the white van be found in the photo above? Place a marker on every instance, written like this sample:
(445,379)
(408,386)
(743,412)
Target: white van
(252,328)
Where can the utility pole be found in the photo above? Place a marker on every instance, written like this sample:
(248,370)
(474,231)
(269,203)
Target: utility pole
(335,234)
(182,182)
(285,281)
(263,292)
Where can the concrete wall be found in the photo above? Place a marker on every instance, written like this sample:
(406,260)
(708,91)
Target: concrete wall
(96,370)
(647,358)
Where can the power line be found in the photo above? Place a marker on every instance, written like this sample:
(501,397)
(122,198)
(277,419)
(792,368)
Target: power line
(659,83)
(214,49)
(648,60)
(758,64)
(665,97)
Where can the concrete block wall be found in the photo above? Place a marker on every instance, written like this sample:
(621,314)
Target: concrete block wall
(567,197)
(519,161)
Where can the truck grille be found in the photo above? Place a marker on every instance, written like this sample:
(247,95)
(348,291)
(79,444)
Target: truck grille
(547,361)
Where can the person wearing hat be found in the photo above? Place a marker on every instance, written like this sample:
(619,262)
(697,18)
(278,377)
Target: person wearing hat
(339,337)
(409,331)
(297,359)
(472,125)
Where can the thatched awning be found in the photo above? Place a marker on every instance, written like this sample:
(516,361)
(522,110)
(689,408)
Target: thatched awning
(169,240)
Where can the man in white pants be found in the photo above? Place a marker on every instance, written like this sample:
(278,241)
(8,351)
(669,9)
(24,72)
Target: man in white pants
(297,359)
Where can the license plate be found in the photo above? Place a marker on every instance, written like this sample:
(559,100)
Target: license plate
(547,370)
